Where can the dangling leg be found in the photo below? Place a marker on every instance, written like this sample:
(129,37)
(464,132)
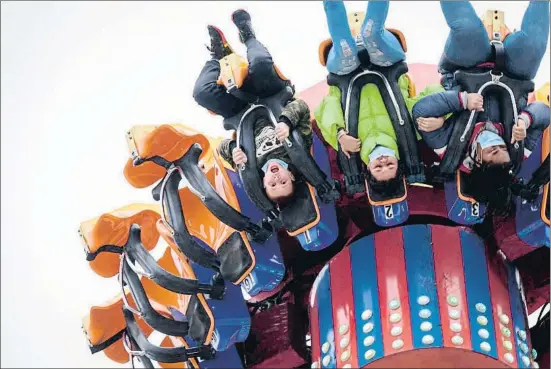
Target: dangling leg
(467,44)
(383,47)
(524,49)
(343,56)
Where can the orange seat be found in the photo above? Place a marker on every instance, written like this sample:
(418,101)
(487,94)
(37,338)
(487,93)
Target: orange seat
(233,71)
(170,142)
(112,229)
(542,94)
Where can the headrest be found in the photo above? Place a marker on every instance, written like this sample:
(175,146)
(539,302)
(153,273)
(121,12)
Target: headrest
(494,22)
(463,187)
(377,199)
(167,141)
(113,229)
(356,18)
(302,213)
(233,71)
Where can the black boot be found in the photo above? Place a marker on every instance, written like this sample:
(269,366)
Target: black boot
(219,47)
(242,21)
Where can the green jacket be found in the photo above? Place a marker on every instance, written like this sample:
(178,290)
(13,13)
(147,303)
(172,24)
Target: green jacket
(375,127)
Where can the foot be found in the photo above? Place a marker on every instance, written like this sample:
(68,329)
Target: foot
(242,21)
(219,46)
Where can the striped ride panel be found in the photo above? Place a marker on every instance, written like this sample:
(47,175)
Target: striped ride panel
(419,296)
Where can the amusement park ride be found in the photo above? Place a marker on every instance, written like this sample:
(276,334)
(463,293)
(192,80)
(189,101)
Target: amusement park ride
(420,280)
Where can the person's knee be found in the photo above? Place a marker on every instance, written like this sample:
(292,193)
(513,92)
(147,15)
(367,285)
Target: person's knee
(201,93)
(262,67)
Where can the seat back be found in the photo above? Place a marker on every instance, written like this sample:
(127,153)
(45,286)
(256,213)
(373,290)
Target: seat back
(462,208)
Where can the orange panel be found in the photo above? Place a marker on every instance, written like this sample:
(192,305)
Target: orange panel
(113,228)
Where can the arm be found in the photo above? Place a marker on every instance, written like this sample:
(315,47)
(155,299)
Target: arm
(297,116)
(225,150)
(536,115)
(439,104)
(330,117)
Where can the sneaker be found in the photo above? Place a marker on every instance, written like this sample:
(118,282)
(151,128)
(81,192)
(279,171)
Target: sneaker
(219,46)
(242,21)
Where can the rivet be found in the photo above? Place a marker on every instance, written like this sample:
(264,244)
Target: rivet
(525,360)
(345,355)
(369,354)
(504,319)
(457,340)
(368,341)
(427,340)
(480,307)
(454,314)
(344,342)
(485,346)
(524,347)
(507,345)
(397,344)
(484,334)
(426,326)
(522,334)
(506,332)
(509,358)
(368,327)
(367,314)
(424,313)
(423,300)
(395,317)
(396,331)
(452,300)
(343,329)
(326,360)
(325,347)
(346,366)
(534,354)
(482,320)
(455,327)
(394,304)
(314,365)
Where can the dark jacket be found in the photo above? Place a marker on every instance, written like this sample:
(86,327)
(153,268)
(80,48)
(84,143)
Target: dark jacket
(296,115)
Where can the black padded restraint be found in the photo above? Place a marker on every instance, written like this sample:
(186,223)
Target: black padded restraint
(212,200)
(461,134)
(137,253)
(161,354)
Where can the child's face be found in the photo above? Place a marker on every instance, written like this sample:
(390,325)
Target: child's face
(383,168)
(278,182)
(495,154)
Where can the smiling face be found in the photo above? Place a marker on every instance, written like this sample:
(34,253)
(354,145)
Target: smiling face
(497,154)
(278,182)
(383,168)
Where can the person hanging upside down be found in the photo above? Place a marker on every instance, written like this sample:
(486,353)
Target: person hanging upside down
(262,81)
(487,160)
(377,141)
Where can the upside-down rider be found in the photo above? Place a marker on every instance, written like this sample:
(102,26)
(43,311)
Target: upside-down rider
(262,81)
(487,160)
(377,141)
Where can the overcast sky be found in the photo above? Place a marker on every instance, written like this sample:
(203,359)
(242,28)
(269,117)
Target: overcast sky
(75,77)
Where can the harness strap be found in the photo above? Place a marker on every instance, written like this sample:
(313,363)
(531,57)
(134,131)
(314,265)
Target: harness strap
(91,256)
(105,344)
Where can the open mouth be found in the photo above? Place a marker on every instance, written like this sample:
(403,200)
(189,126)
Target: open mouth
(274,168)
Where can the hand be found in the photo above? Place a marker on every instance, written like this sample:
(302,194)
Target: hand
(475,102)
(519,131)
(282,131)
(239,156)
(430,124)
(349,144)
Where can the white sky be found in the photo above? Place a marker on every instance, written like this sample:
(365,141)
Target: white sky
(75,77)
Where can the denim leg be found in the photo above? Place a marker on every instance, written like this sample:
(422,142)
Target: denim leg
(524,49)
(467,44)
(213,96)
(383,47)
(262,79)
(343,56)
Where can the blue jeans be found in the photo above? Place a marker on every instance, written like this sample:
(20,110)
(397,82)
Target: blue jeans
(383,47)
(468,43)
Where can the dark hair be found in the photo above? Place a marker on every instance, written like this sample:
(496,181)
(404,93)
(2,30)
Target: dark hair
(388,188)
(491,184)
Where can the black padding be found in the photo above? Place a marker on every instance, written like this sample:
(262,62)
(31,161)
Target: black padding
(199,321)
(185,242)
(212,200)
(235,258)
(463,187)
(472,82)
(378,197)
(299,212)
(114,249)
(530,190)
(156,191)
(498,55)
(352,85)
(137,253)
(161,354)
(105,344)
(152,317)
